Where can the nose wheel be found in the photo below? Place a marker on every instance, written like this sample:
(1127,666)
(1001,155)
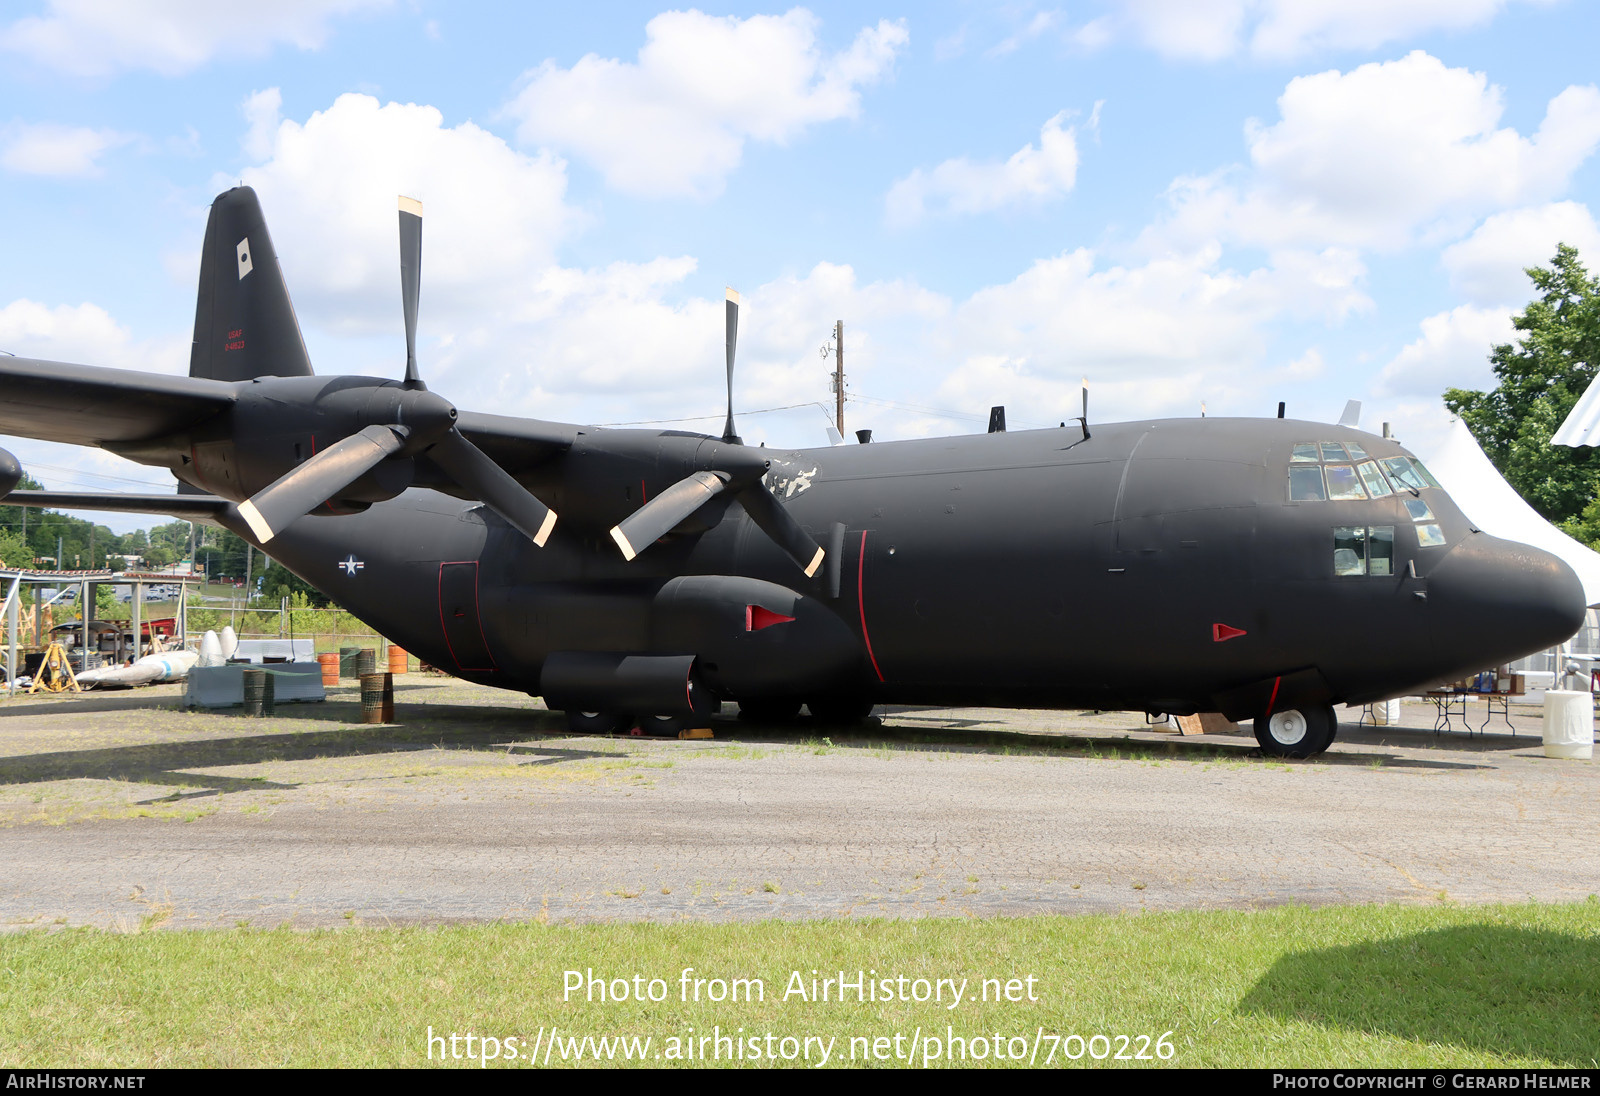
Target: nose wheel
(1297,732)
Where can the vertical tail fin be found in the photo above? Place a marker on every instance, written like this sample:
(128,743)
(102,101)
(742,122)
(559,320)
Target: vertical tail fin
(244,325)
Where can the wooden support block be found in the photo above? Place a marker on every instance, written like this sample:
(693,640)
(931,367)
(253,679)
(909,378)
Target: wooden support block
(1206,723)
(696,732)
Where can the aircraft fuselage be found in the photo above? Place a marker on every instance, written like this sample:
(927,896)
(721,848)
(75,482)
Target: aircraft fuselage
(1160,566)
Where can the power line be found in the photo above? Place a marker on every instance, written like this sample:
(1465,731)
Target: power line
(712,418)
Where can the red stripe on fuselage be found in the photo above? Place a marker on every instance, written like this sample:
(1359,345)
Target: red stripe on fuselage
(861,574)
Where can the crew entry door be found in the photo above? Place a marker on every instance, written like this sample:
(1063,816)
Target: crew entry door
(459,616)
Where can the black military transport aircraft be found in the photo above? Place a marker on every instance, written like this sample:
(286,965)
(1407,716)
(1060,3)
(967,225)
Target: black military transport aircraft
(1266,569)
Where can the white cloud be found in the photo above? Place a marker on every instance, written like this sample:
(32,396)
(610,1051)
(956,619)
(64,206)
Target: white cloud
(1385,154)
(1488,266)
(101,37)
(1451,352)
(263,111)
(1032,174)
(494,216)
(88,334)
(1041,22)
(65,151)
(675,121)
(1209,30)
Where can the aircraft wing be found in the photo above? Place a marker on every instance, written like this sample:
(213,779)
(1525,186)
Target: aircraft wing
(516,444)
(89,405)
(187,507)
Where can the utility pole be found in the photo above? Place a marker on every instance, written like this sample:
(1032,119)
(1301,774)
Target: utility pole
(838,375)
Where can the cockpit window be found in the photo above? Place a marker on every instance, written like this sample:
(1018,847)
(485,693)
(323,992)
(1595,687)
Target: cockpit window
(1305,484)
(1356,452)
(1304,452)
(1418,509)
(1427,476)
(1342,482)
(1429,535)
(1332,450)
(1363,550)
(1401,471)
(1380,550)
(1350,551)
(1377,486)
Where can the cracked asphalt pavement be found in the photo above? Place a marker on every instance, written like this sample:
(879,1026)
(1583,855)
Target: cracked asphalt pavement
(120,809)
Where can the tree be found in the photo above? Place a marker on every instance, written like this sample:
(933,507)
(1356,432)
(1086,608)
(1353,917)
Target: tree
(277,581)
(14,551)
(1541,377)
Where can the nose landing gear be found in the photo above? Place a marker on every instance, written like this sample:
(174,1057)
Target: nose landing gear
(1297,732)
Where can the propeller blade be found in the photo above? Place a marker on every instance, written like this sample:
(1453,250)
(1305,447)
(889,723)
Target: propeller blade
(775,521)
(733,340)
(303,489)
(483,479)
(411,280)
(658,517)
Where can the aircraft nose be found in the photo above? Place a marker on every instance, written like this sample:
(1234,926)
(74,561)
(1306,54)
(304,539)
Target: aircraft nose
(1510,598)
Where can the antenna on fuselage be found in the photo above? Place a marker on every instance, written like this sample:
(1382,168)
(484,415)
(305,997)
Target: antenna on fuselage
(1280,409)
(1083,419)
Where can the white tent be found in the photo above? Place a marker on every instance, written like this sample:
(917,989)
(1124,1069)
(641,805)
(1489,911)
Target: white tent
(1494,506)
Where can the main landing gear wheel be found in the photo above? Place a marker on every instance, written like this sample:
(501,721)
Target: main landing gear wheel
(1297,732)
(840,709)
(665,726)
(769,710)
(599,722)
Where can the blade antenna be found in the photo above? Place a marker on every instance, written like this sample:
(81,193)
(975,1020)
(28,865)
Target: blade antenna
(733,340)
(1083,419)
(411,280)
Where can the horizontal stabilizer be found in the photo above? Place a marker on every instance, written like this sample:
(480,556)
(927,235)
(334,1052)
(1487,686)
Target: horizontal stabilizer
(188,507)
(91,405)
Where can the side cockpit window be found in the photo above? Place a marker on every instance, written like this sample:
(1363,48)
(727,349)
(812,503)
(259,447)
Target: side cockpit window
(1363,550)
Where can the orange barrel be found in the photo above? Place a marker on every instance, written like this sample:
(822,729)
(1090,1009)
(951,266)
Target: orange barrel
(330,668)
(377,698)
(366,661)
(397,659)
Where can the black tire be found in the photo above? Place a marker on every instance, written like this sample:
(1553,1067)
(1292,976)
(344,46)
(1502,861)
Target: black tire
(599,722)
(666,726)
(840,709)
(1297,732)
(769,710)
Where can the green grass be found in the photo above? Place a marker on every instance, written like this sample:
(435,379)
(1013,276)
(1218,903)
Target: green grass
(1292,987)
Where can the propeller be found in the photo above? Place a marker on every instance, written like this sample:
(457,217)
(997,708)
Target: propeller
(657,517)
(410,422)
(732,311)
(738,470)
(411,280)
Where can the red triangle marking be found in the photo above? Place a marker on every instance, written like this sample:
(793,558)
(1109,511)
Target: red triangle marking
(757,618)
(1220,632)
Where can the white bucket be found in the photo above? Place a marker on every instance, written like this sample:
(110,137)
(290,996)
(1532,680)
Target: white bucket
(1386,713)
(1568,724)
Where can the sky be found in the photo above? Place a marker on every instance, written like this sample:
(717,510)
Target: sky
(1189,203)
